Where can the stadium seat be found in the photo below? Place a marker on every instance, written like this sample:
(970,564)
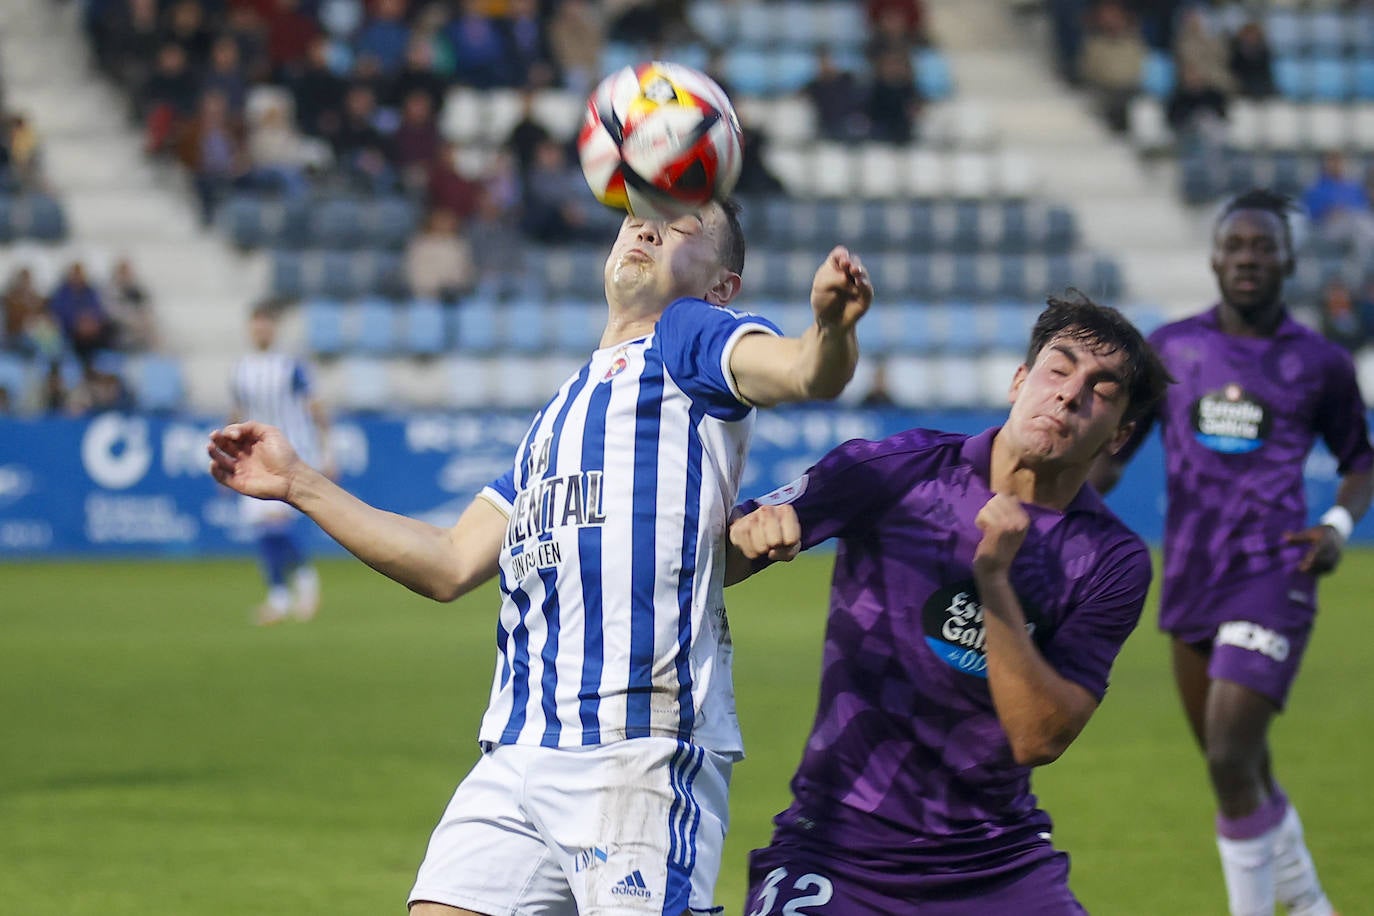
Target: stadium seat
(375,327)
(1157,75)
(1006,326)
(792,70)
(834,170)
(757,23)
(919,328)
(390,222)
(967,283)
(1014,174)
(1360,33)
(749,71)
(158,384)
(46,221)
(337,222)
(996,371)
(911,381)
(971,175)
(14,380)
(1364,79)
(523,325)
(1331,79)
(878,166)
(386,275)
(925,173)
(1293,77)
(519,382)
(957,381)
(560,111)
(1285,31)
(961,329)
(324,327)
(424,328)
(241,218)
(1149,130)
(366,384)
(843,24)
(337,277)
(933,77)
(576,325)
(1328,126)
(461,117)
(288,274)
(1011,276)
(713,21)
(469,382)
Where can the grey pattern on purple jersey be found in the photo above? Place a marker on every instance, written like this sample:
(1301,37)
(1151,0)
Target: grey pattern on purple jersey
(1238,426)
(907,759)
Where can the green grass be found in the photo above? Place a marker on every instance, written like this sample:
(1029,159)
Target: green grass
(160,755)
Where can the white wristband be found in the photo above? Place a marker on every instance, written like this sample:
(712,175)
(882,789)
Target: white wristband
(1339,518)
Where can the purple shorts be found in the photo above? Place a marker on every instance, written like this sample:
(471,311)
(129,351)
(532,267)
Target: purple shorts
(1256,632)
(803,882)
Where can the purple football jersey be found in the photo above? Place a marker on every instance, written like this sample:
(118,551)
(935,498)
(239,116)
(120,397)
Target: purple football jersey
(907,759)
(1237,429)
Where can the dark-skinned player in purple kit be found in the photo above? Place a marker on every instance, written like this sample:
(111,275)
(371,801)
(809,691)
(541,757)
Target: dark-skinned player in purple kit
(1255,390)
(981,593)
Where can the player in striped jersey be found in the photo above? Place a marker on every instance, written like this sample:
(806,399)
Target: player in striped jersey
(272,387)
(611,731)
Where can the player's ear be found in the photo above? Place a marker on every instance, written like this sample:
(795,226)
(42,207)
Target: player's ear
(1017,381)
(1122,436)
(725,290)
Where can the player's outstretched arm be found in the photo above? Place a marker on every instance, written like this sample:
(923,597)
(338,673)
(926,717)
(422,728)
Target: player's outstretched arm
(439,563)
(1041,711)
(769,534)
(774,370)
(1326,541)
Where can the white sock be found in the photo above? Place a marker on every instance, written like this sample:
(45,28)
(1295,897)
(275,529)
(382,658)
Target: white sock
(1248,866)
(306,581)
(279,599)
(1295,877)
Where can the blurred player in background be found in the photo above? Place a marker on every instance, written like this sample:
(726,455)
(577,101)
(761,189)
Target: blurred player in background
(608,538)
(981,593)
(275,388)
(1255,389)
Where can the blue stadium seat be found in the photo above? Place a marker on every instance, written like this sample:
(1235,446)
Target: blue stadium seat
(337,222)
(1015,227)
(933,76)
(523,323)
(14,379)
(1104,283)
(961,329)
(47,222)
(1360,34)
(1292,76)
(1157,75)
(288,274)
(1332,79)
(475,323)
(1061,230)
(158,384)
(792,70)
(337,277)
(241,218)
(425,328)
(1289,177)
(576,325)
(1010,325)
(1011,276)
(749,71)
(966,284)
(375,331)
(918,331)
(920,278)
(1286,32)
(289,226)
(391,222)
(324,327)
(1241,171)
(756,23)
(845,28)
(387,275)
(1364,78)
(967,226)
(1328,32)
(713,21)
(6,218)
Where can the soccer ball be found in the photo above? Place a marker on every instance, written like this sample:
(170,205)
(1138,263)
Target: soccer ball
(660,140)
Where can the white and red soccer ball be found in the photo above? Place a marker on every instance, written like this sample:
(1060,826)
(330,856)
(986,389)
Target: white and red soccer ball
(660,140)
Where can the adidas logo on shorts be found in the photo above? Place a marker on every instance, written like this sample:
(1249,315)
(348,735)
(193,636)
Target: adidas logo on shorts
(632,885)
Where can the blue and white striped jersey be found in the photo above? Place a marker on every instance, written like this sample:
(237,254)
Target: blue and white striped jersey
(613,619)
(276,388)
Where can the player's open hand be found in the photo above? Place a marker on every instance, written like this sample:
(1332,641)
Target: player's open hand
(1324,546)
(254,459)
(841,292)
(1004,523)
(769,531)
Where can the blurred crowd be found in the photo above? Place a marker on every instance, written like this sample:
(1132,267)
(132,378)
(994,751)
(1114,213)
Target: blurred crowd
(21,152)
(293,97)
(78,332)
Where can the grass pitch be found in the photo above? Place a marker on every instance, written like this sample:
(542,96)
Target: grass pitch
(160,755)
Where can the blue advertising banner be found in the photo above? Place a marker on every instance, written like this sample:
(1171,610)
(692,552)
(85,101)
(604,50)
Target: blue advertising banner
(130,485)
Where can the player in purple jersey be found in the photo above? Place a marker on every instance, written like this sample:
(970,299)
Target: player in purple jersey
(611,729)
(981,593)
(1255,390)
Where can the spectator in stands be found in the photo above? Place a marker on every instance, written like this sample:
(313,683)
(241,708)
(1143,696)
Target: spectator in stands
(80,314)
(246,28)
(23,153)
(359,147)
(755,178)
(439,262)
(878,393)
(186,27)
(1197,47)
(418,75)
(292,39)
(168,99)
(318,92)
(30,327)
(367,71)
(448,188)
(134,36)
(1066,21)
(1339,208)
(577,35)
(894,102)
(478,47)
(1252,64)
(837,100)
(1343,320)
(225,74)
(526,134)
(528,58)
(131,310)
(1112,58)
(497,246)
(556,197)
(896,21)
(1196,109)
(280,156)
(416,141)
(214,148)
(97,391)
(385,35)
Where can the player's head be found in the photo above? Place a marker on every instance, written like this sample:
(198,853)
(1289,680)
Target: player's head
(1252,250)
(1089,375)
(654,262)
(262,325)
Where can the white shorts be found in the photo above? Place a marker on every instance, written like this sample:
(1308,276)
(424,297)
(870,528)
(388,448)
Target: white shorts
(265,514)
(631,827)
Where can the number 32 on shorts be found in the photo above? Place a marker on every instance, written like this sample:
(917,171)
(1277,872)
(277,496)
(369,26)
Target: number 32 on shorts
(817,888)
